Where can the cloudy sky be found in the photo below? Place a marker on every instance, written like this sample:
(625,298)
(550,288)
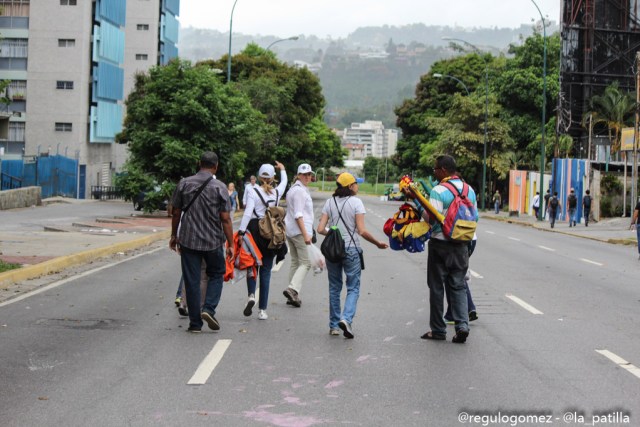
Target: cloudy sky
(338,18)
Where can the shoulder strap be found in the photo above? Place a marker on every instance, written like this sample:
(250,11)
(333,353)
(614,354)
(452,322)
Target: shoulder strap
(340,216)
(204,184)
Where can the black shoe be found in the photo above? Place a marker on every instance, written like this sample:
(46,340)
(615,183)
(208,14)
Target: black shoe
(346,329)
(194,330)
(182,311)
(248,309)
(292,297)
(473,316)
(211,321)
(460,337)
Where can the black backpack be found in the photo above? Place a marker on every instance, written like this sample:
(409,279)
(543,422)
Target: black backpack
(587,201)
(553,203)
(573,200)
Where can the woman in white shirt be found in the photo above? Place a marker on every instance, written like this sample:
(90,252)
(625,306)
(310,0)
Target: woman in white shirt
(346,211)
(254,210)
(299,227)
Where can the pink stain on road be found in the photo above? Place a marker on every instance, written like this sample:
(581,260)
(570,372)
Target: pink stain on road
(283,420)
(334,384)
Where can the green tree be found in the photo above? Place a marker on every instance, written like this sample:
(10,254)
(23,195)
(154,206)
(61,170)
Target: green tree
(613,109)
(371,169)
(177,111)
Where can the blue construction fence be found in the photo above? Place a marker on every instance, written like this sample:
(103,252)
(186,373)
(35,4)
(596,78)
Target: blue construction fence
(568,174)
(57,175)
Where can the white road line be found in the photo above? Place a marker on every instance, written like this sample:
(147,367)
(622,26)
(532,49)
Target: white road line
(209,363)
(513,238)
(591,262)
(476,275)
(489,232)
(78,276)
(620,362)
(523,304)
(546,248)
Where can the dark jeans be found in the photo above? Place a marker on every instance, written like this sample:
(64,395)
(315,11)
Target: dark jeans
(191,265)
(264,273)
(447,264)
(586,213)
(552,216)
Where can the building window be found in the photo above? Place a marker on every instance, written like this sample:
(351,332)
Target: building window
(66,42)
(141,56)
(63,84)
(68,2)
(143,27)
(63,127)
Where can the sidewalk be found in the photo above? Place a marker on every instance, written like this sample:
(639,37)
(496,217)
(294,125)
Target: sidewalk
(609,230)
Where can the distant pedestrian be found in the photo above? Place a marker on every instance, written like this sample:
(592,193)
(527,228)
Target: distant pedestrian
(346,211)
(572,206)
(553,208)
(447,260)
(233,198)
(248,188)
(635,222)
(497,201)
(299,227)
(547,196)
(266,193)
(586,207)
(536,204)
(204,227)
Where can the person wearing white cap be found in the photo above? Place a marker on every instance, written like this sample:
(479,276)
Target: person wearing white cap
(254,210)
(299,227)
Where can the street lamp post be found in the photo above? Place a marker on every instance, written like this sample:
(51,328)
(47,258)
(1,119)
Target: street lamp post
(544,101)
(282,40)
(230,32)
(486,117)
(440,76)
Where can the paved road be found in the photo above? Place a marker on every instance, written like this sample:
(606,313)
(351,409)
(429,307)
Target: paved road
(108,347)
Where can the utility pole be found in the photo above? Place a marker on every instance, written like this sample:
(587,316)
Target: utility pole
(634,174)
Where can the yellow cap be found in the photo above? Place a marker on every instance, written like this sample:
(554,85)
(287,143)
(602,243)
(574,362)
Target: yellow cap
(345,179)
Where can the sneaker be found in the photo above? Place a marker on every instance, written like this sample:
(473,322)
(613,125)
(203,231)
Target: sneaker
(182,311)
(177,301)
(292,297)
(194,330)
(346,328)
(473,316)
(211,321)
(248,309)
(448,320)
(263,315)
(334,331)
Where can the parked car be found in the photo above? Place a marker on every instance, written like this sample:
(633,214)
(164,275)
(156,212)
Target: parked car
(140,200)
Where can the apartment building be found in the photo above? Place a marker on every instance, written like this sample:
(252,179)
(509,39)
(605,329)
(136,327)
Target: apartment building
(71,64)
(369,139)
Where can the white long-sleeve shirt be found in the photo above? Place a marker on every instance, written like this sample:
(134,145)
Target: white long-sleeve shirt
(255,208)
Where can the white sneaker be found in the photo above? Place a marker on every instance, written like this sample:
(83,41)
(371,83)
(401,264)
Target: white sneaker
(263,315)
(248,309)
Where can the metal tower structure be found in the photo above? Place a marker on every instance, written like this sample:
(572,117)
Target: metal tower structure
(600,39)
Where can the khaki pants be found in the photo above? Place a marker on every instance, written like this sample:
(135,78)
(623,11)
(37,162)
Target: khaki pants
(300,264)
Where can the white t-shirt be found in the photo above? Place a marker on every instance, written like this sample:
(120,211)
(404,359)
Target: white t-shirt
(348,207)
(255,208)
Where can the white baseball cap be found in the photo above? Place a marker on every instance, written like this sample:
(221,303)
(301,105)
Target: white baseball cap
(267,171)
(305,168)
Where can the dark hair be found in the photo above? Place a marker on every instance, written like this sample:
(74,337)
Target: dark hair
(343,192)
(588,192)
(447,163)
(208,159)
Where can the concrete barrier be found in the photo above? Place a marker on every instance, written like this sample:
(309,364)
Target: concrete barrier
(20,198)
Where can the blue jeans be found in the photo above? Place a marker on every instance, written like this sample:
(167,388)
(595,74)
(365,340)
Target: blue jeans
(351,267)
(264,272)
(497,206)
(191,264)
(572,215)
(447,264)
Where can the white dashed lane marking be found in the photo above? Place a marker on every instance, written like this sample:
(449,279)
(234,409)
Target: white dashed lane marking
(514,238)
(209,363)
(475,274)
(620,362)
(591,262)
(546,248)
(521,303)
(489,232)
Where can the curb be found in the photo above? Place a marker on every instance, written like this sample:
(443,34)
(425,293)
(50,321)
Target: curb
(613,241)
(54,265)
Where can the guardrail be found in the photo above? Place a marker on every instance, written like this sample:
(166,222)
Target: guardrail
(105,192)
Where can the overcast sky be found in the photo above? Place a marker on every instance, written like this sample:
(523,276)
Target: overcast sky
(338,18)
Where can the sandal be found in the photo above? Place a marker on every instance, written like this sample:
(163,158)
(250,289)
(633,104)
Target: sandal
(460,337)
(431,336)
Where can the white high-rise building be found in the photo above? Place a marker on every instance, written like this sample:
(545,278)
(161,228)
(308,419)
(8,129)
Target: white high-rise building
(371,139)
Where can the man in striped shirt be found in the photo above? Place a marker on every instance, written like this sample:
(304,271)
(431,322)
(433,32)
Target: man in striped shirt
(201,210)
